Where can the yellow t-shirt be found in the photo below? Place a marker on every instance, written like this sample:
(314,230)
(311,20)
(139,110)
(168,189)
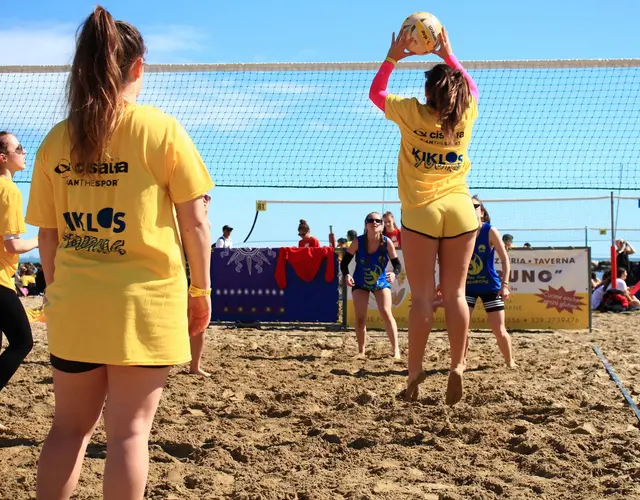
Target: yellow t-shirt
(26,280)
(11,222)
(119,294)
(428,167)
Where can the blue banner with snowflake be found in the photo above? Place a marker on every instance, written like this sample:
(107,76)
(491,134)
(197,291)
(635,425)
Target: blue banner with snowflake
(244,288)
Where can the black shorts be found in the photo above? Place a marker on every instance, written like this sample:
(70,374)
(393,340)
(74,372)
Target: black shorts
(356,287)
(67,366)
(491,301)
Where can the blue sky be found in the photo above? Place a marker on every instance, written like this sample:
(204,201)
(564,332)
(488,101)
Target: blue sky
(332,31)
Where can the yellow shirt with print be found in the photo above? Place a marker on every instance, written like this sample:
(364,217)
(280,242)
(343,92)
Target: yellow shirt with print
(11,222)
(120,294)
(428,167)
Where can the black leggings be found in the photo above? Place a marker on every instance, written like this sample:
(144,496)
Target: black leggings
(15,326)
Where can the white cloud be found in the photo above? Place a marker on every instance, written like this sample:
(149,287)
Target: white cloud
(37,44)
(174,38)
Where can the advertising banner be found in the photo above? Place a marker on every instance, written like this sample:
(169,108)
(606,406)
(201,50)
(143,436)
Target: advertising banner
(549,290)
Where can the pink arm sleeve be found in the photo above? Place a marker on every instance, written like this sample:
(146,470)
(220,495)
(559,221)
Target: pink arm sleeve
(455,64)
(378,91)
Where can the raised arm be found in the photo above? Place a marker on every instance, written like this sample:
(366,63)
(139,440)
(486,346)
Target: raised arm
(446,53)
(398,51)
(452,61)
(378,92)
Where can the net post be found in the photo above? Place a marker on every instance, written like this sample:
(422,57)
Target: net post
(590,289)
(332,238)
(586,237)
(614,254)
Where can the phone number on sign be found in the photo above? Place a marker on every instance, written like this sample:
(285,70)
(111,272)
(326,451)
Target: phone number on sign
(533,321)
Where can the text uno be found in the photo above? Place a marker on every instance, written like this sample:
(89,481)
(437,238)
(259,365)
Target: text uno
(107,218)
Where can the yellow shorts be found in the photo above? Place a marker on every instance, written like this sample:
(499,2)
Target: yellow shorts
(448,217)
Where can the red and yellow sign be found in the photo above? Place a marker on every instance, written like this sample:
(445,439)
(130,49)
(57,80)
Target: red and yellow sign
(549,290)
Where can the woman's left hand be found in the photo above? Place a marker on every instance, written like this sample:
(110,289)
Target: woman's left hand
(391,277)
(505,293)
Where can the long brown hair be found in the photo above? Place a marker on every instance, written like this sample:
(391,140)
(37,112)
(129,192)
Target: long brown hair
(448,93)
(105,51)
(4,148)
(388,213)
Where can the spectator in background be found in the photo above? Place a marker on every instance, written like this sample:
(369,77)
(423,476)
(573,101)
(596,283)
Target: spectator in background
(41,284)
(507,239)
(527,246)
(623,250)
(594,281)
(28,280)
(606,284)
(391,231)
(341,248)
(225,240)
(307,241)
(352,234)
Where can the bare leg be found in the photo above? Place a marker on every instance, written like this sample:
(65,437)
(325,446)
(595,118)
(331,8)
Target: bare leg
(420,260)
(132,401)
(496,321)
(361,305)
(465,361)
(455,255)
(383,299)
(79,398)
(197,348)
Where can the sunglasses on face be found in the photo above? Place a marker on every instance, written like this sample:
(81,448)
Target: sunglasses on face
(206,198)
(19,150)
(477,206)
(373,221)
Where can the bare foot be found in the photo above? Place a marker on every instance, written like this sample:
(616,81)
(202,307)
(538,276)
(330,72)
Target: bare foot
(512,365)
(360,355)
(396,355)
(4,428)
(196,370)
(454,386)
(411,392)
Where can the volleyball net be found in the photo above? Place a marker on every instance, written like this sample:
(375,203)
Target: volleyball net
(542,124)
(573,221)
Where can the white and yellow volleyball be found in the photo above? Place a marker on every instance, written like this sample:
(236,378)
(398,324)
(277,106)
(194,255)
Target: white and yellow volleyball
(424,32)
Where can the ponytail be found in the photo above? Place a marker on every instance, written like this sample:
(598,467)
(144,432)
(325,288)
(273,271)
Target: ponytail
(449,94)
(105,51)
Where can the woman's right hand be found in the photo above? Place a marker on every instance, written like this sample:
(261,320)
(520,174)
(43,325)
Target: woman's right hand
(199,314)
(399,46)
(349,279)
(444,50)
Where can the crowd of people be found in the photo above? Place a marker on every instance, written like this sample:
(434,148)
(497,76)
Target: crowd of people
(126,242)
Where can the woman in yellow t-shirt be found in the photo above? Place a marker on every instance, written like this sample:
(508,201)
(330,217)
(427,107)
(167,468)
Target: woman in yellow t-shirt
(438,218)
(13,318)
(107,185)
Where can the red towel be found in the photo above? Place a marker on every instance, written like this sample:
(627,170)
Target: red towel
(306,263)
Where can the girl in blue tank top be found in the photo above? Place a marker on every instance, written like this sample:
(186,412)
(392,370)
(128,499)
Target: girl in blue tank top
(372,252)
(484,282)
